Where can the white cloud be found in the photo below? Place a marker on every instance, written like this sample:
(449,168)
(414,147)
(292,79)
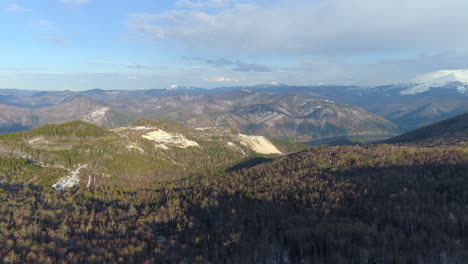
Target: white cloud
(101,63)
(220,79)
(237,65)
(333,27)
(17,8)
(137,66)
(74,2)
(202,4)
(43,23)
(85,80)
(2,68)
(53,39)
(194,70)
(113,64)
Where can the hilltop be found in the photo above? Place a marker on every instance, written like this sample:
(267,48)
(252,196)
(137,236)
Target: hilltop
(142,154)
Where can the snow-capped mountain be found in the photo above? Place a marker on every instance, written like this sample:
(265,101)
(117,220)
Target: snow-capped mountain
(450,79)
(173,87)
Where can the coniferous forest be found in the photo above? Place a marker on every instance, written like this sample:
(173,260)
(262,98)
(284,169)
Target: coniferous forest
(345,204)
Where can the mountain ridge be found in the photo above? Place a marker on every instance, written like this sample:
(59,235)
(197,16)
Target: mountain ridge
(457,79)
(271,109)
(447,132)
(295,117)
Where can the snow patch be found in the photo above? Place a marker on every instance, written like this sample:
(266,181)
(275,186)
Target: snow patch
(204,128)
(69,181)
(89,181)
(328,101)
(140,128)
(161,146)
(136,128)
(173,87)
(420,88)
(162,137)
(270,121)
(33,140)
(132,146)
(237,148)
(96,116)
(258,144)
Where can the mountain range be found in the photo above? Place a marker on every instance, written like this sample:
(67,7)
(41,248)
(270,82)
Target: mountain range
(291,116)
(299,113)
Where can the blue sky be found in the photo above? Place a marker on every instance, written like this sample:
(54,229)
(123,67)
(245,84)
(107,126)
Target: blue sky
(122,44)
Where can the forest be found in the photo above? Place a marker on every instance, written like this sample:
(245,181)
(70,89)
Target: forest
(343,204)
(234,131)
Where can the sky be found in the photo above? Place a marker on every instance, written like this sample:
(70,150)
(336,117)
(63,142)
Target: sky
(143,44)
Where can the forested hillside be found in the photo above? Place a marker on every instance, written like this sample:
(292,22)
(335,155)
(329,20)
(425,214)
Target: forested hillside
(446,132)
(147,152)
(372,204)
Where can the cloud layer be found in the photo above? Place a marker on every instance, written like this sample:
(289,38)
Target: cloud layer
(74,2)
(17,8)
(221,79)
(228,42)
(53,39)
(311,27)
(235,65)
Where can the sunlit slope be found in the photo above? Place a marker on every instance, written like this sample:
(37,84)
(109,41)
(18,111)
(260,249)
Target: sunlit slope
(146,152)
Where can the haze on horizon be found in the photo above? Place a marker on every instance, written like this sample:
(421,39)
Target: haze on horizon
(87,44)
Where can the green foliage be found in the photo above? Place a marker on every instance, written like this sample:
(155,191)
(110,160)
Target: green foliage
(109,159)
(286,146)
(18,170)
(373,204)
(343,204)
(77,129)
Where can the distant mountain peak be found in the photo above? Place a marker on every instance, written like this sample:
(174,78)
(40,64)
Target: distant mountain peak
(443,76)
(173,87)
(270,84)
(451,79)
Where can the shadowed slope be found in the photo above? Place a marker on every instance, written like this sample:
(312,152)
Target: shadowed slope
(450,131)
